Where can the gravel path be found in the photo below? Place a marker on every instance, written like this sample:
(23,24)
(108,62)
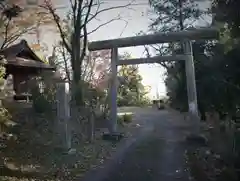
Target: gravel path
(158,155)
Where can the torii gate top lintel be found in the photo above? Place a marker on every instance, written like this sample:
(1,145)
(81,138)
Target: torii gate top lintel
(195,34)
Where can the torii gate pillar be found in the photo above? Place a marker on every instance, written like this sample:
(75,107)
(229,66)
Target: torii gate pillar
(113,91)
(191,84)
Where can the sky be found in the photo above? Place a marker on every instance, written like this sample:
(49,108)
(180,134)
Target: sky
(133,20)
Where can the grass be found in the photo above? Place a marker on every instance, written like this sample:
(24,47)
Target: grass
(50,164)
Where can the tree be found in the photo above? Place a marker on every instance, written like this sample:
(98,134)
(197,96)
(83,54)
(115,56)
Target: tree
(8,12)
(97,70)
(76,39)
(131,90)
(216,70)
(174,15)
(17,20)
(227,12)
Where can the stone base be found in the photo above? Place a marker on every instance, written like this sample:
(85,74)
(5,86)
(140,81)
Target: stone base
(112,136)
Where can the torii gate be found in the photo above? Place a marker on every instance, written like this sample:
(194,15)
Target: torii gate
(185,37)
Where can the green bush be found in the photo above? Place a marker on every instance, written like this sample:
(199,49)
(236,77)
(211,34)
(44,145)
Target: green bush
(4,116)
(42,102)
(131,100)
(127,118)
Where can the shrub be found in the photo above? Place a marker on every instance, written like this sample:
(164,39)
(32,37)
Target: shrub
(4,113)
(127,118)
(42,102)
(4,118)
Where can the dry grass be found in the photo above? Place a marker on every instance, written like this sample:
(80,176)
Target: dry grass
(205,165)
(36,156)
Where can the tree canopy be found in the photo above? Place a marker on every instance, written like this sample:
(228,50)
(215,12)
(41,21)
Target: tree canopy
(227,12)
(131,91)
(216,62)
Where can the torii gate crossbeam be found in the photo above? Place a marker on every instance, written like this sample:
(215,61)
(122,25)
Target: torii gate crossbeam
(202,33)
(184,37)
(155,59)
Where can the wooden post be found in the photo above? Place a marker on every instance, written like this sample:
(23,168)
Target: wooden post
(63,111)
(113,94)
(191,84)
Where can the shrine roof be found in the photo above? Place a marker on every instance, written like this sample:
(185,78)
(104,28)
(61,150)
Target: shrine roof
(21,54)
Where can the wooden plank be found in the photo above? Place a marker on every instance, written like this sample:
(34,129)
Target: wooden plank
(155,59)
(203,33)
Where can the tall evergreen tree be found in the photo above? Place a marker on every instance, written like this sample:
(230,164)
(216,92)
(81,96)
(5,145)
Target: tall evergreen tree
(174,15)
(227,12)
(131,91)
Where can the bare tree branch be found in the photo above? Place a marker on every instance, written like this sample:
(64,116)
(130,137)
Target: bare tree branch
(93,5)
(50,8)
(85,31)
(73,5)
(103,24)
(74,8)
(107,9)
(124,28)
(5,33)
